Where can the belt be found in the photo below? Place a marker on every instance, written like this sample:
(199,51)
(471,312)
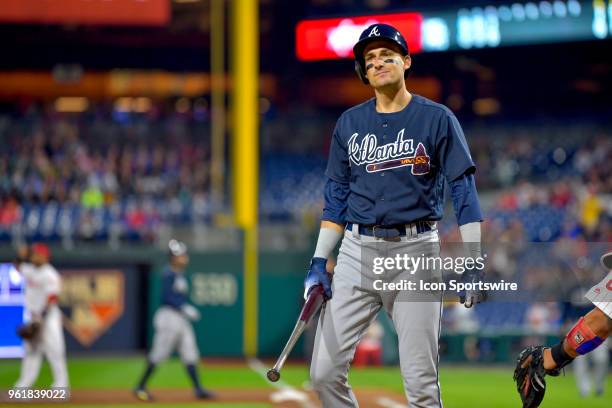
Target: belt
(394,231)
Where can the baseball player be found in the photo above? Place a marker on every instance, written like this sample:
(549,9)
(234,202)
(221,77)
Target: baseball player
(535,362)
(388,161)
(43,333)
(590,370)
(173,325)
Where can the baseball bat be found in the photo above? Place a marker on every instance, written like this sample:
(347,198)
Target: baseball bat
(313,304)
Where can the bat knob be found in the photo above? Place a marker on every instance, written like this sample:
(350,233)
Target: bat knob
(273,375)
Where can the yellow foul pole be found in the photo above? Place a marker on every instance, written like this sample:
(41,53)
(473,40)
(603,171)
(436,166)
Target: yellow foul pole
(245,151)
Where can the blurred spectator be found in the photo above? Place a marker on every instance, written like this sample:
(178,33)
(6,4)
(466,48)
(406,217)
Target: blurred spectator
(591,208)
(543,317)
(10,213)
(461,319)
(92,197)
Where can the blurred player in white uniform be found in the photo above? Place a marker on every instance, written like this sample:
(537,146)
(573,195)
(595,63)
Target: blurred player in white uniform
(42,289)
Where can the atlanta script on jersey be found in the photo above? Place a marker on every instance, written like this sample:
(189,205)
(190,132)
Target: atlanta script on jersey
(398,153)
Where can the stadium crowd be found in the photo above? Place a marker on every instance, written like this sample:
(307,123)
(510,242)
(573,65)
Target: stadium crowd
(88,173)
(104,172)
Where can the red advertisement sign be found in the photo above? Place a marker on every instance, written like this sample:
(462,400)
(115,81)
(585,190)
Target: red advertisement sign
(334,38)
(87,12)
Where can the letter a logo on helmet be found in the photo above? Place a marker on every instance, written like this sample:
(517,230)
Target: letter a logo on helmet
(377,32)
(374,31)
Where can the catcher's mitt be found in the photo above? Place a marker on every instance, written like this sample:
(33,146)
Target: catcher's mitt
(29,331)
(529,376)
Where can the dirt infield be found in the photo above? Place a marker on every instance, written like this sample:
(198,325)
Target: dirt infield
(284,398)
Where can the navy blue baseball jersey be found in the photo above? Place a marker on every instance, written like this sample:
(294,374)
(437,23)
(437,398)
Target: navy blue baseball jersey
(174,289)
(396,163)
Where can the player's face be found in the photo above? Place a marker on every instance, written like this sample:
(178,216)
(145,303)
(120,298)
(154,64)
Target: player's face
(38,259)
(384,64)
(181,261)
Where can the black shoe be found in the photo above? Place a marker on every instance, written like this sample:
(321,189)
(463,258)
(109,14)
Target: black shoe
(203,393)
(143,395)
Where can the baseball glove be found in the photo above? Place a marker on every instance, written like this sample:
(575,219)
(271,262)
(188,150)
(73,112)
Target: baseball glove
(529,376)
(29,331)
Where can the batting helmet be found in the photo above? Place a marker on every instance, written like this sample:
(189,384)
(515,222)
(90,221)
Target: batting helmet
(373,33)
(176,248)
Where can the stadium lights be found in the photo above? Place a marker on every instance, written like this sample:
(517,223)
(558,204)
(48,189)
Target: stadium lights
(71,104)
(141,104)
(333,38)
(462,28)
(486,106)
(126,104)
(123,104)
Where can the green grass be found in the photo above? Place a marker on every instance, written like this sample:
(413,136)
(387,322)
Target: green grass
(477,387)
(480,387)
(123,373)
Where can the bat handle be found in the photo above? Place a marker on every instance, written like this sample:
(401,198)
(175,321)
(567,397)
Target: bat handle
(313,303)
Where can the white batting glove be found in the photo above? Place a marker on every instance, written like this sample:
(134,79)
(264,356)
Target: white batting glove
(190,312)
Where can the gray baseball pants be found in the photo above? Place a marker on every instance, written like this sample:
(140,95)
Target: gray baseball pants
(173,331)
(355,303)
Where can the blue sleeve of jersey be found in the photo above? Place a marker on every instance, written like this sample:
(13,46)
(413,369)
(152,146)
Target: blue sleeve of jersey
(169,296)
(336,197)
(465,199)
(455,157)
(338,163)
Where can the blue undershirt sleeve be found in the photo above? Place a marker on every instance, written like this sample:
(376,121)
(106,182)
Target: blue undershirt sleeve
(465,199)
